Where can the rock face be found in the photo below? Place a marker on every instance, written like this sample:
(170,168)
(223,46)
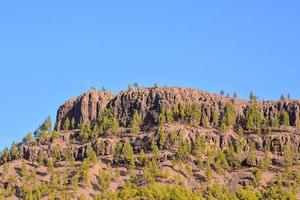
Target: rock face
(149,101)
(86,107)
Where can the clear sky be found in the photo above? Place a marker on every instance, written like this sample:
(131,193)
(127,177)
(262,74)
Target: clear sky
(53,50)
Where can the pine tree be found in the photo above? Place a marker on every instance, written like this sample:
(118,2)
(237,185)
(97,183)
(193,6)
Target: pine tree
(115,126)
(251,157)
(135,122)
(85,131)
(128,153)
(161,118)
(142,158)
(162,137)
(14,151)
(205,121)
(47,125)
(284,118)
(257,177)
(208,173)
(251,96)
(235,95)
(275,121)
(102,148)
(117,151)
(28,139)
(41,158)
(169,116)
(222,92)
(5,155)
(254,115)
(229,116)
(195,114)
(249,123)
(223,127)
(91,155)
(104,180)
(240,132)
(215,119)
(24,169)
(67,124)
(73,123)
(199,145)
(74,181)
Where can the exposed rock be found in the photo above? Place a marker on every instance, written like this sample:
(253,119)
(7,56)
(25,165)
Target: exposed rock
(86,107)
(149,101)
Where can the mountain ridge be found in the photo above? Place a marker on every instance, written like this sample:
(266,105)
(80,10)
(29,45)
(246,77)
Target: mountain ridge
(158,143)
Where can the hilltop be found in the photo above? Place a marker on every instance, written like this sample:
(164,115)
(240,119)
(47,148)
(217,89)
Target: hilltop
(159,143)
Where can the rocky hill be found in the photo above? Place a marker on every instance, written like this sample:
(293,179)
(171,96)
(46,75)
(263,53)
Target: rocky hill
(159,143)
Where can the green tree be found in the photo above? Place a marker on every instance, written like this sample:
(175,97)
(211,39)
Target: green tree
(240,132)
(14,151)
(104,180)
(275,121)
(73,123)
(254,117)
(199,145)
(128,153)
(102,147)
(284,118)
(23,168)
(41,157)
(232,157)
(235,95)
(74,182)
(162,136)
(115,126)
(169,116)
(257,172)
(251,96)
(220,161)
(229,116)
(5,155)
(161,118)
(222,92)
(28,139)
(47,125)
(205,120)
(249,123)
(215,119)
(85,131)
(91,155)
(84,171)
(208,173)
(195,114)
(66,125)
(251,156)
(142,158)
(135,122)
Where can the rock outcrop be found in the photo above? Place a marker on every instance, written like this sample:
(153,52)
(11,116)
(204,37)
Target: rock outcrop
(149,101)
(86,107)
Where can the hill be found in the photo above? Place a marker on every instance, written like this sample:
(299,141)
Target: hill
(159,143)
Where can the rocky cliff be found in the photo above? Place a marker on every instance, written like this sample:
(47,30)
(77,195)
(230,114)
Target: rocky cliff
(84,108)
(149,102)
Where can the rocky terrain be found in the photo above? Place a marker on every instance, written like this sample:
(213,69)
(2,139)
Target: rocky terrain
(159,143)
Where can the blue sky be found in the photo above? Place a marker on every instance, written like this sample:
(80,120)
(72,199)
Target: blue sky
(53,50)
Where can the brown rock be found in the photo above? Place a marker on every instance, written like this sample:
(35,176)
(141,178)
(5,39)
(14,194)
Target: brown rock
(86,107)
